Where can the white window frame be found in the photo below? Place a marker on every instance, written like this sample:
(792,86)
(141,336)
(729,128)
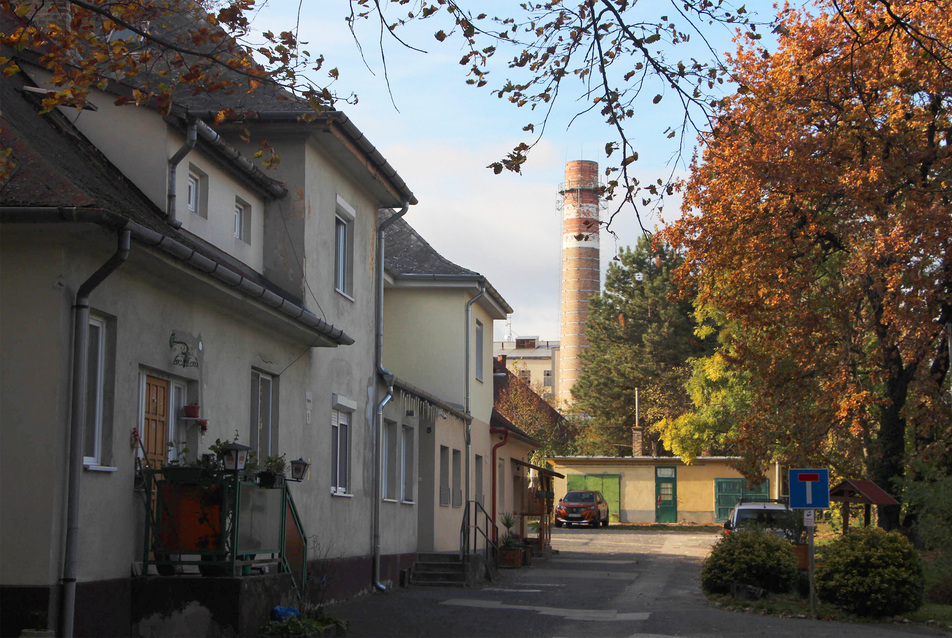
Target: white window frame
(457,478)
(242,220)
(406,465)
(258,381)
(344,248)
(479,350)
(340,451)
(389,471)
(177,397)
(445,493)
(478,479)
(95,390)
(196,191)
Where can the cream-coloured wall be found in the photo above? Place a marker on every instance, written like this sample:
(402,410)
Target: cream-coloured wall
(450,432)
(418,323)
(34,339)
(481,390)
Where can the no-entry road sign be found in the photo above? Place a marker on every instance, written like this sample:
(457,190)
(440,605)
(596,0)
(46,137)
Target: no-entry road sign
(809,489)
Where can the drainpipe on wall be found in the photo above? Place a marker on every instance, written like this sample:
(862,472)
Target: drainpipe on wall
(78,427)
(191,137)
(505,439)
(469,415)
(388,380)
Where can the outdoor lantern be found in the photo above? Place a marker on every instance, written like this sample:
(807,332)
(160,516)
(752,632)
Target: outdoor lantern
(235,455)
(299,469)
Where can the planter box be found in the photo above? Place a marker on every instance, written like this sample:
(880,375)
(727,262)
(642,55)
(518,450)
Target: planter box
(191,411)
(510,556)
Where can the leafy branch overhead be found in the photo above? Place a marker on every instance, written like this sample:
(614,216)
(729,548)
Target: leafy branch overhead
(157,50)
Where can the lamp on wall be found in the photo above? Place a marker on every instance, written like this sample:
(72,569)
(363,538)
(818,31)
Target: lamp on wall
(299,469)
(234,456)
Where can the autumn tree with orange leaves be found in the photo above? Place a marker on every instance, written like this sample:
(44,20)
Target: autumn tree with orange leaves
(818,228)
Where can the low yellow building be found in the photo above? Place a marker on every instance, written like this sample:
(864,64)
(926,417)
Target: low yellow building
(662,489)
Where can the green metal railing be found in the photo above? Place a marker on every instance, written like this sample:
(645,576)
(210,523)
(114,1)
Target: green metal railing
(223,523)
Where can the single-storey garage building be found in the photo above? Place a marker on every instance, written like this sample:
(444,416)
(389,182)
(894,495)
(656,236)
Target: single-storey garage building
(645,489)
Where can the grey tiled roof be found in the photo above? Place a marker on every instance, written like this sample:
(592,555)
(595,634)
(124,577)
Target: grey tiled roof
(407,253)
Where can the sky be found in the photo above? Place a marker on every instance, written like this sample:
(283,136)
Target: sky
(440,134)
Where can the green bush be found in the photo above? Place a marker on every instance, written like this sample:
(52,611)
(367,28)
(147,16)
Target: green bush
(871,573)
(750,557)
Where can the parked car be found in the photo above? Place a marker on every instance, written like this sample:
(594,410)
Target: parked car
(771,515)
(582,506)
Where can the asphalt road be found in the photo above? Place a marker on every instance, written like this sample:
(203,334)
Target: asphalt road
(603,582)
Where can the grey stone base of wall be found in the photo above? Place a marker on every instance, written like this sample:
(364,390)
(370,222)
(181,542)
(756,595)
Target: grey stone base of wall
(193,605)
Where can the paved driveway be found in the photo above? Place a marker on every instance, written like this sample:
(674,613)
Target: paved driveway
(604,582)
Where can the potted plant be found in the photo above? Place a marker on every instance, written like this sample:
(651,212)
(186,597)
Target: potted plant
(510,545)
(271,473)
(191,411)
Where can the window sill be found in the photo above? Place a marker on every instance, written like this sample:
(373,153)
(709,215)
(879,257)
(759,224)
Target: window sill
(99,468)
(342,494)
(390,500)
(344,295)
(408,502)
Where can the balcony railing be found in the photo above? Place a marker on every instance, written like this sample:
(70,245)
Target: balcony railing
(222,523)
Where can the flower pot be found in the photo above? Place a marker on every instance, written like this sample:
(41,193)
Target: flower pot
(510,556)
(191,411)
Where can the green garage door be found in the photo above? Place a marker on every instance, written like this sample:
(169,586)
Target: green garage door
(608,484)
(727,492)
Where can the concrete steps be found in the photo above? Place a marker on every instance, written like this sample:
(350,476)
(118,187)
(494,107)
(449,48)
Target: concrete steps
(444,570)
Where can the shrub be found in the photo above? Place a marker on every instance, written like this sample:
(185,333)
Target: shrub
(750,557)
(871,573)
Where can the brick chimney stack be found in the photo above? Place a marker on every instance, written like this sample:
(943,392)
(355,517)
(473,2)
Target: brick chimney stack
(581,271)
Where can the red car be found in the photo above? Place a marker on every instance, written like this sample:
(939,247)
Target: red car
(582,506)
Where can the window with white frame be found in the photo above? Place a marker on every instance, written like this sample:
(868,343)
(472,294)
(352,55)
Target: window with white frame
(444,476)
(176,430)
(344,248)
(478,479)
(95,384)
(242,220)
(406,466)
(457,479)
(500,485)
(479,350)
(388,474)
(196,195)
(340,451)
(264,434)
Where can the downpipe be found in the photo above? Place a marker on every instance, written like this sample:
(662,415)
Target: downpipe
(468,391)
(191,138)
(388,378)
(78,427)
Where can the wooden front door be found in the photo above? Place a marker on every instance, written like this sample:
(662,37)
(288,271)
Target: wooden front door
(156,421)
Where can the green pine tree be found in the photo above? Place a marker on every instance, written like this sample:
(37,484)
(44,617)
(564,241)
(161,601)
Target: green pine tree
(641,334)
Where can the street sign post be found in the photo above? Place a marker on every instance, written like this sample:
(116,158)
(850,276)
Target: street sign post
(809,491)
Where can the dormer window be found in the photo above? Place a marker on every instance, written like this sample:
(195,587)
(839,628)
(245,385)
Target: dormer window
(242,220)
(196,195)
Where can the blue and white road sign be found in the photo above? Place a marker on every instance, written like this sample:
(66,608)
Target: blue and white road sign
(809,489)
